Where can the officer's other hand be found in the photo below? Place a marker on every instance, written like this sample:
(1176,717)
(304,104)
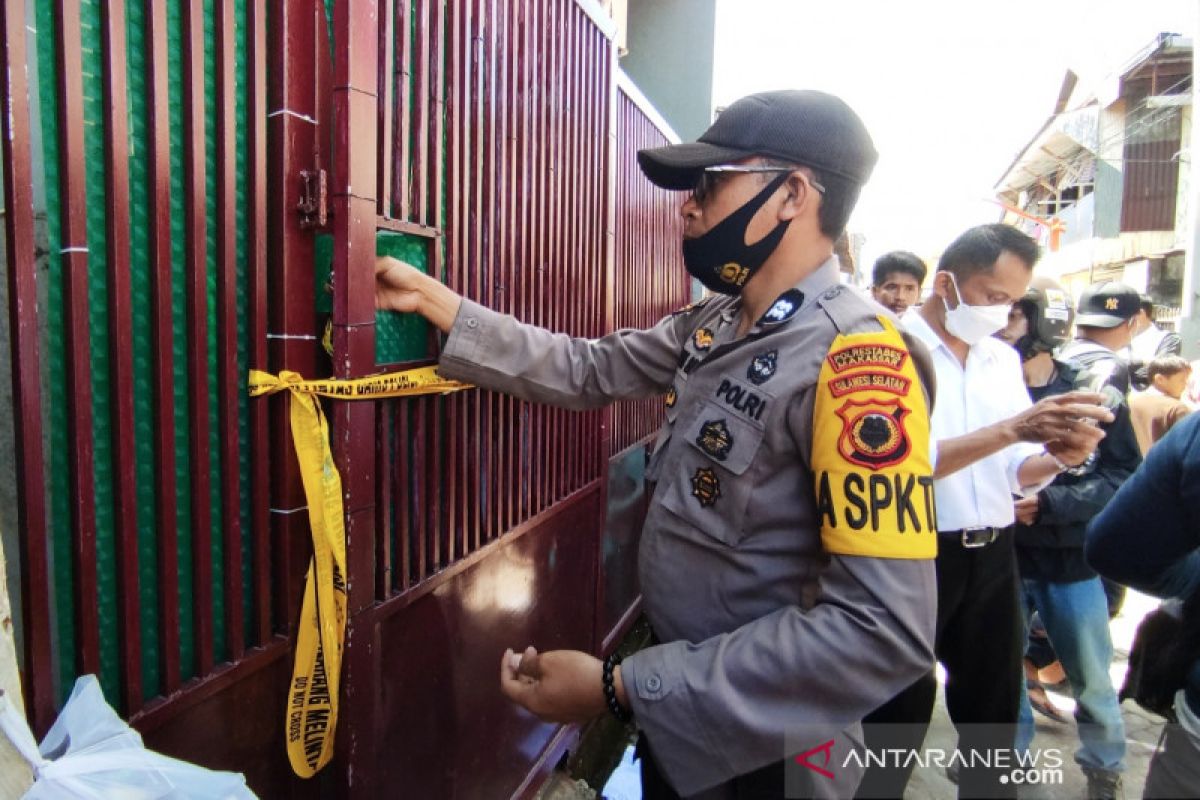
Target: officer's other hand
(1069,419)
(1026,510)
(397,285)
(556,686)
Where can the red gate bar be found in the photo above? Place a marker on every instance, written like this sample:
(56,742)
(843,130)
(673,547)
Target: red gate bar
(256,317)
(417,172)
(38,670)
(74,261)
(120,314)
(401,139)
(296,44)
(163,335)
(196,248)
(387,97)
(353,218)
(229,379)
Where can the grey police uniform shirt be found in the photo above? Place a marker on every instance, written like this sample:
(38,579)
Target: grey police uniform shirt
(766,636)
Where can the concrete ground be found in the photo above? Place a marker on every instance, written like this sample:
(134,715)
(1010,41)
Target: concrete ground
(1141,729)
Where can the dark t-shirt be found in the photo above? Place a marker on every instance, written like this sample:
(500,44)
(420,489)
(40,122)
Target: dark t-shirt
(1052,548)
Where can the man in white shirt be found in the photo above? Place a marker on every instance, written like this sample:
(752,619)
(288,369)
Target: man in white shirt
(1149,342)
(991,443)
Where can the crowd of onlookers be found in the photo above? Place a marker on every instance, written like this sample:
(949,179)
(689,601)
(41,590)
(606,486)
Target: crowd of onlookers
(1125,516)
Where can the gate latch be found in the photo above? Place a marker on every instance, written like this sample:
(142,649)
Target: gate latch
(313,206)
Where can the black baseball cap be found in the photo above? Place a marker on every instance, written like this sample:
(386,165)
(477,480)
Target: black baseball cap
(1107,305)
(801,126)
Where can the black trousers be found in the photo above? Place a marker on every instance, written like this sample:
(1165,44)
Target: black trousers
(980,641)
(763,784)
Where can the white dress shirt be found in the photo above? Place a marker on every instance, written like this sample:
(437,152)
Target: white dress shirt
(990,388)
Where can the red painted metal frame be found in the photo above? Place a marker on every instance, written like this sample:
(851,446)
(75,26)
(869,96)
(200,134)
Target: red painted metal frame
(76,296)
(162,337)
(257,319)
(196,237)
(120,313)
(514,111)
(294,50)
(26,356)
(229,381)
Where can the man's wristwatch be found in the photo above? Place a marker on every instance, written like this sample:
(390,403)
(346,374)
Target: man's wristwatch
(1078,469)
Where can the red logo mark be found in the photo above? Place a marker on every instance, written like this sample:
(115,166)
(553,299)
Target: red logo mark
(827,749)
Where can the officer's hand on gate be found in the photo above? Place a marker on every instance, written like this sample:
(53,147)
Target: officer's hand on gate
(403,287)
(556,686)
(397,285)
(1070,420)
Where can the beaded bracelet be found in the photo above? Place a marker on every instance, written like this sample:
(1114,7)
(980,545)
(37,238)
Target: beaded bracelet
(610,691)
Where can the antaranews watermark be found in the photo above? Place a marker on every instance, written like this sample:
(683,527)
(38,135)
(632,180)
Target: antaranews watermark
(820,764)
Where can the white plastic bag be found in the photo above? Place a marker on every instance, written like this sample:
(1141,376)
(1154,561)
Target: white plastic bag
(91,754)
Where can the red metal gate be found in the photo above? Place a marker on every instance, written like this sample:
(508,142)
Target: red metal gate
(486,137)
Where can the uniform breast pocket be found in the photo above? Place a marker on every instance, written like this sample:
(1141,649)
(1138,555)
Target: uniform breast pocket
(713,479)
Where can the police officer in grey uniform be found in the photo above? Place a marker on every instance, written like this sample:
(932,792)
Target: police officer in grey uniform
(786,559)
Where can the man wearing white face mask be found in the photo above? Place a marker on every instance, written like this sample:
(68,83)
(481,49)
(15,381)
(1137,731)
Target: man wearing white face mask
(990,443)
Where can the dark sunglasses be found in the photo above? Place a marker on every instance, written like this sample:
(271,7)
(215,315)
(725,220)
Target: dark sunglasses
(707,182)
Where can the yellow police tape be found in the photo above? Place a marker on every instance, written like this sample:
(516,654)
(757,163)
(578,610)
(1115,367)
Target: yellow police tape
(312,707)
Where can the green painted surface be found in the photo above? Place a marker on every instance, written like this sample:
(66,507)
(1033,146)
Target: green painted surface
(242,48)
(54,386)
(183,522)
(93,138)
(398,337)
(216,529)
(143,384)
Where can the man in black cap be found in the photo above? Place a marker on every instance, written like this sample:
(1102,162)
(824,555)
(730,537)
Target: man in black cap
(1103,327)
(786,558)
(1056,582)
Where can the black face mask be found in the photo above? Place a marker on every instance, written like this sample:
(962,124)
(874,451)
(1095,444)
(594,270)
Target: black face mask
(721,259)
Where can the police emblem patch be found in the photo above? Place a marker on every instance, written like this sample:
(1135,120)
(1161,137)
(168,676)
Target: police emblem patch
(873,433)
(715,439)
(706,486)
(762,367)
(672,397)
(702,338)
(784,308)
(734,273)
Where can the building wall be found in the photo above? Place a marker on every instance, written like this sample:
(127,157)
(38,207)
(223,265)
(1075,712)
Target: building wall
(1109,177)
(1184,199)
(670,58)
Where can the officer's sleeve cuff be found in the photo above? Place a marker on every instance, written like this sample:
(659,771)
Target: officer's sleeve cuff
(466,344)
(663,707)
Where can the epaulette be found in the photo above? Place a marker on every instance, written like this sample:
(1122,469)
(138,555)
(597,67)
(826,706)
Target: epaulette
(701,303)
(847,309)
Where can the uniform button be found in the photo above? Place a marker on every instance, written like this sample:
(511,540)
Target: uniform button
(832,293)
(472,322)
(653,684)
